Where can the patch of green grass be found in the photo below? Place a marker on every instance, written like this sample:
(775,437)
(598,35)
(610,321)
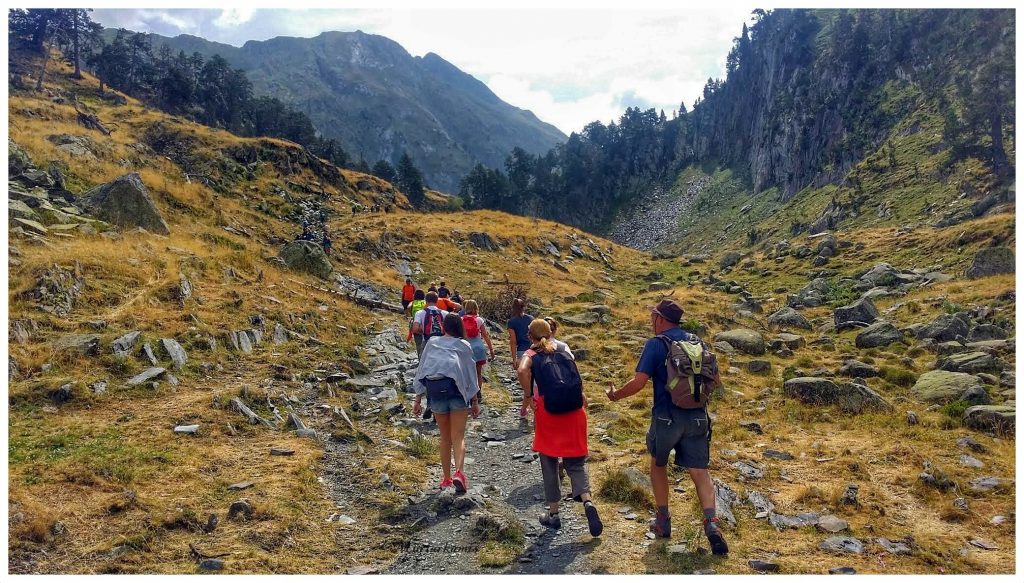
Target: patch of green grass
(955,410)
(618,487)
(840,294)
(951,307)
(898,376)
(421,447)
(494,554)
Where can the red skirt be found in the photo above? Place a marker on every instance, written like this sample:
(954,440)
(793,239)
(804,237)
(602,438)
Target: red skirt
(562,435)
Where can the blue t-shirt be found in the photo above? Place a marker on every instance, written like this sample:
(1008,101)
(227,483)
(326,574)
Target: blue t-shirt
(521,324)
(652,363)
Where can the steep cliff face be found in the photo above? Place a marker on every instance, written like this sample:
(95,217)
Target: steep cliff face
(379,101)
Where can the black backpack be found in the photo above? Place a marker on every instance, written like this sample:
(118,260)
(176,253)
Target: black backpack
(558,381)
(433,323)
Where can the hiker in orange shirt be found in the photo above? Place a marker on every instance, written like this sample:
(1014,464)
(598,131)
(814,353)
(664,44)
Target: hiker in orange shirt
(408,294)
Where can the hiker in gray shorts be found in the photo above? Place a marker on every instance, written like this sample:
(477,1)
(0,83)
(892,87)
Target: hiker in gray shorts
(687,431)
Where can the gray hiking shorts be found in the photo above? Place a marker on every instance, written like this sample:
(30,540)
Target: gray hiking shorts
(687,431)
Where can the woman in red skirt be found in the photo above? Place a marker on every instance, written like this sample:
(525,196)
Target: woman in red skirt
(557,436)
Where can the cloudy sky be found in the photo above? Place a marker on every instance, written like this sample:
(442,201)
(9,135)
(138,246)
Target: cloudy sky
(569,67)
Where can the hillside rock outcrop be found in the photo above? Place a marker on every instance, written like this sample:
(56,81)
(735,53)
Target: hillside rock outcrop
(125,202)
(307,257)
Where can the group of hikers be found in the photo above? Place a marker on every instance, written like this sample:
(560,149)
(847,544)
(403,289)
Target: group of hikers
(308,235)
(453,346)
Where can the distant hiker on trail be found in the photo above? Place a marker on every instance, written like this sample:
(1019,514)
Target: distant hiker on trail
(429,321)
(327,243)
(456,297)
(418,303)
(446,375)
(432,288)
(477,336)
(519,335)
(306,234)
(679,417)
(408,294)
(561,422)
(443,291)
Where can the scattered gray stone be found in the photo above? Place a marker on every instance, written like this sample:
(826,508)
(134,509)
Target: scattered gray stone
(861,312)
(832,523)
(972,362)
(211,565)
(86,344)
(760,502)
(878,334)
(945,328)
(752,426)
(175,352)
(855,368)
(842,544)
(763,566)
(124,345)
(281,451)
(941,387)
(986,484)
(778,455)
(146,375)
(241,486)
(970,461)
(842,571)
(892,547)
(749,470)
(983,544)
(190,429)
(996,418)
(971,444)
(745,340)
(849,497)
(243,507)
(148,354)
(307,257)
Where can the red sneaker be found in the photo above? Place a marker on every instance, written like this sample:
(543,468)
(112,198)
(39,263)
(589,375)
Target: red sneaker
(446,483)
(460,482)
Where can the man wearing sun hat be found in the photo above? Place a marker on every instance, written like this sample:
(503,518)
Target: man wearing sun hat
(687,431)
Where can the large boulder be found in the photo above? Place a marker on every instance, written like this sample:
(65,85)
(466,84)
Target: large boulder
(811,295)
(946,327)
(308,257)
(125,202)
(991,261)
(983,332)
(850,397)
(878,334)
(972,362)
(998,418)
(940,387)
(483,241)
(744,340)
(789,317)
(881,275)
(730,259)
(861,311)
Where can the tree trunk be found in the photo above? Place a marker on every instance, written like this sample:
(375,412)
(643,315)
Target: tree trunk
(75,40)
(1000,163)
(42,70)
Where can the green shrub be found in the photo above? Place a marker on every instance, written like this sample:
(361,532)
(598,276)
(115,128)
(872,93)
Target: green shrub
(840,294)
(788,373)
(955,410)
(913,307)
(899,376)
(951,307)
(693,326)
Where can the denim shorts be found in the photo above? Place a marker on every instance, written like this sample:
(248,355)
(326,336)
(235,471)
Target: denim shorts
(687,431)
(449,405)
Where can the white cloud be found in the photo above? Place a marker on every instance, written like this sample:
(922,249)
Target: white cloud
(232,17)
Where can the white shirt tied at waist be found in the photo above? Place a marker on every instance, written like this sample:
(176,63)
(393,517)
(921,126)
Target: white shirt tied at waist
(447,356)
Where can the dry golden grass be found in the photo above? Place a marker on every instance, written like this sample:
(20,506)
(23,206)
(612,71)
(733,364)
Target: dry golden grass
(75,463)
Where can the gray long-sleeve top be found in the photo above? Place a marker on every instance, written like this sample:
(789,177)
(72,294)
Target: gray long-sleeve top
(447,356)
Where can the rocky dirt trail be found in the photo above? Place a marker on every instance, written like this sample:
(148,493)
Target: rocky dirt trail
(504,481)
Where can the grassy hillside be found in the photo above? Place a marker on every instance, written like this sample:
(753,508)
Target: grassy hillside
(101,483)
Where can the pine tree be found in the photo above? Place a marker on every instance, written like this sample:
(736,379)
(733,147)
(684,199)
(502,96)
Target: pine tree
(410,181)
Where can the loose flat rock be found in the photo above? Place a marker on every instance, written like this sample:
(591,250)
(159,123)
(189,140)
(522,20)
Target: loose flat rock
(832,523)
(892,547)
(941,387)
(986,484)
(842,571)
(147,375)
(81,343)
(743,339)
(763,566)
(753,426)
(186,429)
(842,544)
(281,451)
(749,470)
(983,544)
(211,565)
(972,362)
(778,455)
(971,461)
(878,334)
